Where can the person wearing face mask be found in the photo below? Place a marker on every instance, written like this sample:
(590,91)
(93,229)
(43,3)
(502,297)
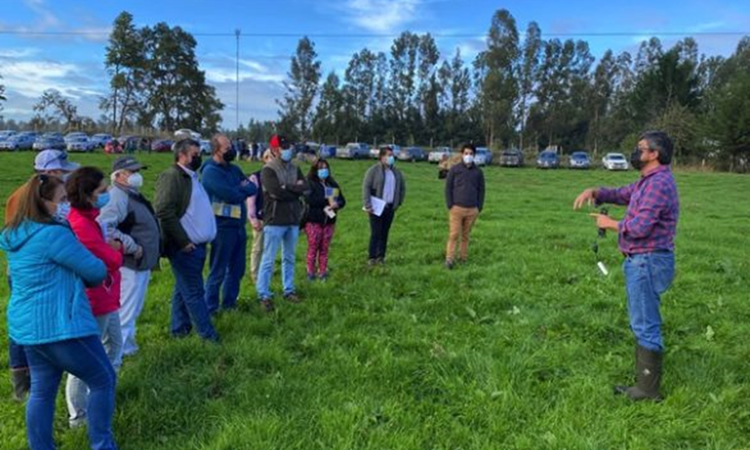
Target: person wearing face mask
(464,197)
(48,162)
(187,225)
(386,183)
(228,188)
(130,219)
(87,192)
(254,206)
(49,313)
(283,187)
(324,199)
(646,239)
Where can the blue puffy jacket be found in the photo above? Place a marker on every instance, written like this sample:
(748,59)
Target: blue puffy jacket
(48,268)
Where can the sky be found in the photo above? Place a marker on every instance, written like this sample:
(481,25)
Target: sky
(70,57)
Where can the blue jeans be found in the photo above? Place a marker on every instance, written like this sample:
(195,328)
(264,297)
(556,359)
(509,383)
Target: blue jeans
(647,276)
(16,355)
(227,267)
(188,297)
(273,236)
(86,359)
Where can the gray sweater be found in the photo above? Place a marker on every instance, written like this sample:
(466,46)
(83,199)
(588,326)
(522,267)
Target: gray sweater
(375,182)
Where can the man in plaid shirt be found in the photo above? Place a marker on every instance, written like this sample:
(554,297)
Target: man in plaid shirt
(646,238)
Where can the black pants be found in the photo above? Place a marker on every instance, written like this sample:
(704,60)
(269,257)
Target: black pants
(379,228)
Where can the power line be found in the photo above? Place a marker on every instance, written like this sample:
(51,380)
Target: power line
(391,35)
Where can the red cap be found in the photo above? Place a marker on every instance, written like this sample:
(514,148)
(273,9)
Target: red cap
(278,141)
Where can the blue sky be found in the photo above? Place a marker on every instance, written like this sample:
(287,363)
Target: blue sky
(74,65)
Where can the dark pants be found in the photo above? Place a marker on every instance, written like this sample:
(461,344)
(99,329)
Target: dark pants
(227,267)
(188,298)
(86,359)
(379,228)
(16,355)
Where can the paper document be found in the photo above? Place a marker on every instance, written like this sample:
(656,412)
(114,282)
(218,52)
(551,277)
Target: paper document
(378,206)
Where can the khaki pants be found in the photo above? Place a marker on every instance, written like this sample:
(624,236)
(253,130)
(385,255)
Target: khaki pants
(256,254)
(460,220)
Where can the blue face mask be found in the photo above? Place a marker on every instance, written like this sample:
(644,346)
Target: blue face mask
(322,174)
(62,212)
(286,154)
(391,160)
(101,200)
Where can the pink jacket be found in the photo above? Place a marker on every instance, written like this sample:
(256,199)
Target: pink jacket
(104,298)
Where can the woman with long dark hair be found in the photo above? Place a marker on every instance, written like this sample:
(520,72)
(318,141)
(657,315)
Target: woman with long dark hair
(49,313)
(324,199)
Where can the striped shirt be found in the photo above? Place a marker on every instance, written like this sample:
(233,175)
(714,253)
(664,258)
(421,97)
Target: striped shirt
(650,222)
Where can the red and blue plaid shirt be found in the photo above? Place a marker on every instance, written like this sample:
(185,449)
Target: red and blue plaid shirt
(653,209)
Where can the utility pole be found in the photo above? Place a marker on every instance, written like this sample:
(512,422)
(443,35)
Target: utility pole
(237,81)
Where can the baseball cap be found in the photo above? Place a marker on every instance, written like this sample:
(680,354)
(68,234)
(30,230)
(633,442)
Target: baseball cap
(278,141)
(54,160)
(127,163)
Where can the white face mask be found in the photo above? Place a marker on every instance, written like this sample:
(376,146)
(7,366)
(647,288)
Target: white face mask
(135,180)
(468,159)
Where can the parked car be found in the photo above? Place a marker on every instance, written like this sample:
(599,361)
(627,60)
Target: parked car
(483,156)
(511,158)
(162,145)
(326,151)
(579,160)
(5,134)
(46,142)
(548,159)
(615,161)
(205,145)
(353,150)
(80,144)
(396,149)
(412,154)
(439,154)
(101,139)
(74,135)
(20,141)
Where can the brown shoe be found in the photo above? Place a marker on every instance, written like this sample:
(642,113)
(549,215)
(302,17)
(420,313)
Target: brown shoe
(292,298)
(267,305)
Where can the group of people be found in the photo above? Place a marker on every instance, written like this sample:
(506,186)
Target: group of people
(81,252)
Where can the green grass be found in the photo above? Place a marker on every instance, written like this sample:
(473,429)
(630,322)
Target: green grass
(518,349)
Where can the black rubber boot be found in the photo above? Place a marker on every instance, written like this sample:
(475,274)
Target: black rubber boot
(648,368)
(21,381)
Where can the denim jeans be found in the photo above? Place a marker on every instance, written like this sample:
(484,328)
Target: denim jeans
(188,297)
(76,391)
(85,358)
(647,276)
(379,229)
(16,355)
(273,236)
(227,267)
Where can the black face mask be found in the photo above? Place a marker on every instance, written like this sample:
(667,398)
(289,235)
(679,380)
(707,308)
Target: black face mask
(230,155)
(635,159)
(195,163)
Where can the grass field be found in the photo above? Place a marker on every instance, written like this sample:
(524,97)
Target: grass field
(518,349)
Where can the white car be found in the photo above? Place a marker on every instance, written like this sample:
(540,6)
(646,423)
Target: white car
(74,136)
(81,144)
(439,154)
(615,161)
(483,156)
(353,150)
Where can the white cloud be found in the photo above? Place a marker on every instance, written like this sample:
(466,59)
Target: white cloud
(18,53)
(382,16)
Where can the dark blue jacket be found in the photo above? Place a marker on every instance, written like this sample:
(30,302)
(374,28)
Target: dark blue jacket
(223,183)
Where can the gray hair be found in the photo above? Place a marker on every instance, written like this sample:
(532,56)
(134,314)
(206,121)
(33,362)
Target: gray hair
(182,147)
(659,141)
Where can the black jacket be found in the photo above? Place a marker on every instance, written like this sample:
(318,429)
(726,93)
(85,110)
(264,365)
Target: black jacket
(317,201)
(465,187)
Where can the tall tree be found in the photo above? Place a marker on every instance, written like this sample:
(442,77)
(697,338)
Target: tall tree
(327,123)
(2,97)
(124,62)
(530,51)
(455,77)
(302,87)
(52,104)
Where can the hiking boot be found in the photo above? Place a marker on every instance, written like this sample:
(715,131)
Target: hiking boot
(648,370)
(266,305)
(20,379)
(292,298)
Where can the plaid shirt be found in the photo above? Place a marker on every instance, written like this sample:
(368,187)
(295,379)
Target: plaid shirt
(653,209)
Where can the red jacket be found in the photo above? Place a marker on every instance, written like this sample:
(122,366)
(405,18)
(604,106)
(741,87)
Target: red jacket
(104,298)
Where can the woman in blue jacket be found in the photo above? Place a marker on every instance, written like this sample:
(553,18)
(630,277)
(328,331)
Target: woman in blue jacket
(49,313)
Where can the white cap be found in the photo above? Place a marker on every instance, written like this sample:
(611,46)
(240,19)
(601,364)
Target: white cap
(54,160)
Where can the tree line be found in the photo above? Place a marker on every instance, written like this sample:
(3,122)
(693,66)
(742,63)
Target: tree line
(527,93)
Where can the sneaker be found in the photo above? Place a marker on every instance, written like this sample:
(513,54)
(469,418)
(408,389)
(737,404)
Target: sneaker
(380,261)
(449,264)
(371,262)
(267,305)
(292,298)
(323,276)
(310,277)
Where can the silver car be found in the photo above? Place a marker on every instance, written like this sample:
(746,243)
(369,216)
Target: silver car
(353,150)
